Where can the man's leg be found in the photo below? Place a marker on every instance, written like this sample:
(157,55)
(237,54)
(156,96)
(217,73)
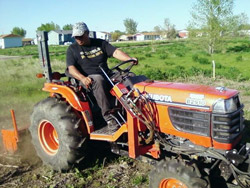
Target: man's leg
(101,88)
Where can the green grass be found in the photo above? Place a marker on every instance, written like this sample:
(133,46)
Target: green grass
(169,56)
(158,60)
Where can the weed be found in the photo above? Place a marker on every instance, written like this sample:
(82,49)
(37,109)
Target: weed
(239,48)
(169,63)
(139,179)
(141,58)
(219,66)
(77,173)
(180,54)
(239,58)
(203,61)
(148,55)
(195,57)
(163,56)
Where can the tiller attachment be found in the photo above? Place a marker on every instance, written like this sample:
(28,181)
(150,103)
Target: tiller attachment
(11,136)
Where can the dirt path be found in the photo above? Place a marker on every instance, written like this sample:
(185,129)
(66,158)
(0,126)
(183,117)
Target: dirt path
(6,57)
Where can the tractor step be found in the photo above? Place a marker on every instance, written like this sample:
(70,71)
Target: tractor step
(107,134)
(104,131)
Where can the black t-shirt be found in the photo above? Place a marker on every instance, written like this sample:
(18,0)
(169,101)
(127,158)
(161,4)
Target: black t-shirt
(88,58)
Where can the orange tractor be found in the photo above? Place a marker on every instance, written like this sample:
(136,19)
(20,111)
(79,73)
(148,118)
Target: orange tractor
(190,133)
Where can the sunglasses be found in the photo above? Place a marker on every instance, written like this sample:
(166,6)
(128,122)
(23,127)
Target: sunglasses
(80,37)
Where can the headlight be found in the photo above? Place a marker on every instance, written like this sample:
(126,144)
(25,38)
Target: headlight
(225,106)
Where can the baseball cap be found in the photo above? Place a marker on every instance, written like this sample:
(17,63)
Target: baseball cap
(79,29)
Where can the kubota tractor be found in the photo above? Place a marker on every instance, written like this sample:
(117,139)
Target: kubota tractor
(190,133)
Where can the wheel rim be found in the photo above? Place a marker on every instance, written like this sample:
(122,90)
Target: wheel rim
(48,137)
(171,183)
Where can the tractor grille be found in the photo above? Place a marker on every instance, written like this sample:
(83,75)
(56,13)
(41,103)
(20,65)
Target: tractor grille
(190,121)
(227,127)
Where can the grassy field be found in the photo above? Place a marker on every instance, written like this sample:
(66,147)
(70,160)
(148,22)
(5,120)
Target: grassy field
(172,59)
(159,60)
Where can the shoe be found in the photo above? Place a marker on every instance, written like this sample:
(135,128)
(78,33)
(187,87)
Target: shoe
(112,125)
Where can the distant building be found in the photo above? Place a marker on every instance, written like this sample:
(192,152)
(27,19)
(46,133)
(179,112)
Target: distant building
(244,32)
(147,36)
(127,37)
(183,34)
(59,37)
(103,35)
(10,41)
(92,34)
(27,41)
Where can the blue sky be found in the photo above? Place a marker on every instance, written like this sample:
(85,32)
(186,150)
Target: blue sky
(100,15)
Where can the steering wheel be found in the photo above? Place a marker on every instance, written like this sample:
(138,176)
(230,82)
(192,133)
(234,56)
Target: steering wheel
(127,69)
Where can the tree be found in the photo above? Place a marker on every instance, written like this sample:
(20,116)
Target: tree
(169,29)
(242,22)
(49,27)
(130,25)
(68,27)
(18,31)
(116,34)
(210,17)
(158,29)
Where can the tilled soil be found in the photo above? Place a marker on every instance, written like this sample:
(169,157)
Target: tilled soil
(98,170)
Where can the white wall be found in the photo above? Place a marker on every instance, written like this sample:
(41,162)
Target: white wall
(104,36)
(1,44)
(140,37)
(53,38)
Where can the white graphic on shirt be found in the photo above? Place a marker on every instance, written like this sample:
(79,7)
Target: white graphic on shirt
(91,54)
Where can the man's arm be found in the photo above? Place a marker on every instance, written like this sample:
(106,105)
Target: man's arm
(76,74)
(122,56)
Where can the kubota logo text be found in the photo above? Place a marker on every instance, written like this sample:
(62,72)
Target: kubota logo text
(160,98)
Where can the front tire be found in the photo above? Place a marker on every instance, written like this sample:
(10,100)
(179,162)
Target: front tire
(173,173)
(56,135)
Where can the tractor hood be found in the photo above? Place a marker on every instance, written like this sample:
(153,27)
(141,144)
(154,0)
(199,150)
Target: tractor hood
(186,95)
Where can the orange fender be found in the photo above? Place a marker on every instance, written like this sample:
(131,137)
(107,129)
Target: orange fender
(73,100)
(67,93)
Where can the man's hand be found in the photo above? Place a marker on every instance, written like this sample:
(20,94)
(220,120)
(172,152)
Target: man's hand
(76,74)
(86,81)
(135,62)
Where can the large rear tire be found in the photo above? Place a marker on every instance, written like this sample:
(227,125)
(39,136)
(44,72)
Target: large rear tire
(56,135)
(173,173)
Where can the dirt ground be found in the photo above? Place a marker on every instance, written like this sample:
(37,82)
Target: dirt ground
(101,169)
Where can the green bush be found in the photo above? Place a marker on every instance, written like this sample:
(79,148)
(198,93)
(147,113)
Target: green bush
(148,55)
(147,66)
(241,48)
(203,61)
(195,57)
(194,71)
(163,56)
(180,54)
(239,58)
(219,66)
(169,63)
(232,73)
(154,74)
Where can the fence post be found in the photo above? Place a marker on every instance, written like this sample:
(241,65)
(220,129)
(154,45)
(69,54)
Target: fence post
(213,69)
